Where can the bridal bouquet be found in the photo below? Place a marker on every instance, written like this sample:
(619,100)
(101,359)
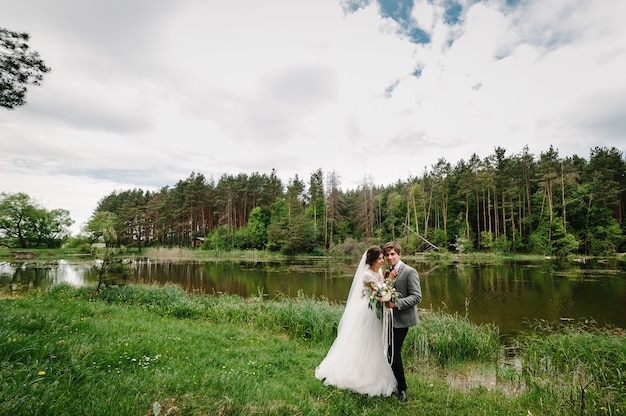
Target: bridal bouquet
(379,293)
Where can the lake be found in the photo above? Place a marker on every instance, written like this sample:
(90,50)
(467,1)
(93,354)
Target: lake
(509,295)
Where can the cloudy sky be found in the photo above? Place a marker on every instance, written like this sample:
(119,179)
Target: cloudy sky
(144,92)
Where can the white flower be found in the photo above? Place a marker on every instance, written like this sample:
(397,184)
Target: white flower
(385,296)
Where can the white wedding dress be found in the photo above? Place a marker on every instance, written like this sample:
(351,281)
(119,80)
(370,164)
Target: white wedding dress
(357,359)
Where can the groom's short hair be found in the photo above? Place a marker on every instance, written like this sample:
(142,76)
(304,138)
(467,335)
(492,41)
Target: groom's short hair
(392,245)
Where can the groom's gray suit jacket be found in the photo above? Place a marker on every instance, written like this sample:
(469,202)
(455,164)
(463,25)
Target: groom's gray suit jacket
(408,284)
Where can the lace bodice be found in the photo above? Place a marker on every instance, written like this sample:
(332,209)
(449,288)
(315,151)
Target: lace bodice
(371,276)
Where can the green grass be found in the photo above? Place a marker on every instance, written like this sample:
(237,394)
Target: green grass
(145,350)
(43,253)
(159,253)
(187,253)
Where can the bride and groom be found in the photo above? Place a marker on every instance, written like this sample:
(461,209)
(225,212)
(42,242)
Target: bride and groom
(363,358)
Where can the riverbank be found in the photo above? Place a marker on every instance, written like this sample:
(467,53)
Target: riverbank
(187,254)
(147,350)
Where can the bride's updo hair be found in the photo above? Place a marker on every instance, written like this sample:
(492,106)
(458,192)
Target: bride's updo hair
(372,255)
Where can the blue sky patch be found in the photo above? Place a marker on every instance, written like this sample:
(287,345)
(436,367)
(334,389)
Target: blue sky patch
(400,11)
(390,88)
(453,13)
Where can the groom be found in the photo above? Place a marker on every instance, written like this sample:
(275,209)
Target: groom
(407,282)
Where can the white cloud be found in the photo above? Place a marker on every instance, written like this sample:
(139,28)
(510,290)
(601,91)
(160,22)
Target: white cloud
(145,92)
(77,194)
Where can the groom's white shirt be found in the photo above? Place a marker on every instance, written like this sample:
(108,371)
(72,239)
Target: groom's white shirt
(398,264)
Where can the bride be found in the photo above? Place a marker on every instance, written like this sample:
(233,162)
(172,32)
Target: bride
(357,360)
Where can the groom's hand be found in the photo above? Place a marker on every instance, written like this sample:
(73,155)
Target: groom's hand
(390,305)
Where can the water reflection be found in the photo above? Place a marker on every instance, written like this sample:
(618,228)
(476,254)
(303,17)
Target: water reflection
(250,279)
(20,276)
(508,295)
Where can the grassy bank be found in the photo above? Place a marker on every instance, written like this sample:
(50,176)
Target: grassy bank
(143,350)
(188,254)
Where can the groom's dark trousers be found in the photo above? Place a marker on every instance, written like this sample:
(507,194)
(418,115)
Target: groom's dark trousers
(399,334)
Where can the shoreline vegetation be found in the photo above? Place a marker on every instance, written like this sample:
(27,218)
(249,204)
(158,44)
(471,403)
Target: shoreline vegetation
(174,254)
(158,350)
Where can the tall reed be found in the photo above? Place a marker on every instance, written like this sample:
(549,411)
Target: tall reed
(585,369)
(447,339)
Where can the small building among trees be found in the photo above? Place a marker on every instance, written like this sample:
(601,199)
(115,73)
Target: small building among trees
(196,242)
